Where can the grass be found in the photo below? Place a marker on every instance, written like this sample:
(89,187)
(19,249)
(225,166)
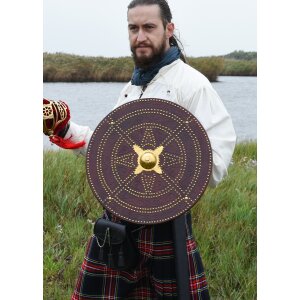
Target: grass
(224,224)
(61,67)
(211,67)
(234,67)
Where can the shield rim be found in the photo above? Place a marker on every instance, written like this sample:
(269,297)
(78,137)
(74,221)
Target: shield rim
(204,186)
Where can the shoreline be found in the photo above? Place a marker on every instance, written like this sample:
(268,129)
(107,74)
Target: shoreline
(62,67)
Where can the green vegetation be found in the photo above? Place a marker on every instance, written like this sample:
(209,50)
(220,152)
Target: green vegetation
(224,223)
(211,67)
(61,67)
(234,67)
(75,68)
(241,55)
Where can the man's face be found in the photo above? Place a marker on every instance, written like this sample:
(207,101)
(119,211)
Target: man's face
(148,38)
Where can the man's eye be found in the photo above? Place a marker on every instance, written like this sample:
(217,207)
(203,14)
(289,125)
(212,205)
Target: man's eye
(133,29)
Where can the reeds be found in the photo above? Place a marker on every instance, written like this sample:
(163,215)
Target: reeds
(234,67)
(211,67)
(61,67)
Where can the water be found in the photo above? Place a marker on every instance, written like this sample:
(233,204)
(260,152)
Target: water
(91,102)
(239,97)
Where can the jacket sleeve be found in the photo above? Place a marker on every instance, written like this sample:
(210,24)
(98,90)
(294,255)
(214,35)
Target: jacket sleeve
(208,108)
(77,133)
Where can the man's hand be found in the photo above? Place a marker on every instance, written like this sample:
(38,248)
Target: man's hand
(56,117)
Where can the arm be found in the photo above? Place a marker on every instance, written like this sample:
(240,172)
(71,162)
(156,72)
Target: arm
(77,133)
(208,108)
(66,134)
(57,125)
(83,133)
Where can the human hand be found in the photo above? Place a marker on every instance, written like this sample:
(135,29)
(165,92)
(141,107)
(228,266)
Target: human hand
(56,122)
(56,116)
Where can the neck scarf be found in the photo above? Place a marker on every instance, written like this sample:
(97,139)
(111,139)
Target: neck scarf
(144,76)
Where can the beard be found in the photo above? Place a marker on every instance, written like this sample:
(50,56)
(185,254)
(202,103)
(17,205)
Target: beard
(144,61)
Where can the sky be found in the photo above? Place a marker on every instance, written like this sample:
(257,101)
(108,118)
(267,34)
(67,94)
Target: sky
(99,28)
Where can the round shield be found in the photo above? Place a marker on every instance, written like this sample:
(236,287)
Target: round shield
(149,161)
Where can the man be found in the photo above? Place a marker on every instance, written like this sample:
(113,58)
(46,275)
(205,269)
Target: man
(160,72)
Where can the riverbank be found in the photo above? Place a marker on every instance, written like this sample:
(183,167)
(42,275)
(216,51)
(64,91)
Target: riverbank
(62,67)
(224,225)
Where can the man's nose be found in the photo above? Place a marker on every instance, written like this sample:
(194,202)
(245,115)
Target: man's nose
(141,36)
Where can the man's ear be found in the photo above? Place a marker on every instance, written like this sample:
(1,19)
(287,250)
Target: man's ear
(170,30)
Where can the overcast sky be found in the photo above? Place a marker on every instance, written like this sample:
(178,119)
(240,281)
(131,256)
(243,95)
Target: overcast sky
(98,27)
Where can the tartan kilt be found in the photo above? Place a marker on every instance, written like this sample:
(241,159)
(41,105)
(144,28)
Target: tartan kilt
(153,278)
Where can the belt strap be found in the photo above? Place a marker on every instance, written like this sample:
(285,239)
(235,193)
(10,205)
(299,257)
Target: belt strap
(181,258)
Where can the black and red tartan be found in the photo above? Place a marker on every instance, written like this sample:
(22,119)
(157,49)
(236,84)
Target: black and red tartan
(153,278)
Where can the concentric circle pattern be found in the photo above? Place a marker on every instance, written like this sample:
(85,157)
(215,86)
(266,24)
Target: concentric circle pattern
(149,161)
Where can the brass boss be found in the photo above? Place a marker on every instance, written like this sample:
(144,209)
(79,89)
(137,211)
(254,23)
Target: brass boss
(148,160)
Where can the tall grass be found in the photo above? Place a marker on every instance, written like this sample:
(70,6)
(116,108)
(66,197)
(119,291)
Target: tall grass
(224,224)
(233,67)
(211,67)
(60,67)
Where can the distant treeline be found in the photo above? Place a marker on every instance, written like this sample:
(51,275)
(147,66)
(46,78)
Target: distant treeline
(240,63)
(242,55)
(62,67)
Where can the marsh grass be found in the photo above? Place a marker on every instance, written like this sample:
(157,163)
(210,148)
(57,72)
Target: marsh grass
(61,67)
(211,67)
(224,224)
(234,67)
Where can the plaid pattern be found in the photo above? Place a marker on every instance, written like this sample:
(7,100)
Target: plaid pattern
(153,278)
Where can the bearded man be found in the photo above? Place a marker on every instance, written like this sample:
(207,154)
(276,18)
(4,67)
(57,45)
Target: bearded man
(160,72)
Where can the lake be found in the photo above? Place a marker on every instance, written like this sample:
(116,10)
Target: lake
(91,102)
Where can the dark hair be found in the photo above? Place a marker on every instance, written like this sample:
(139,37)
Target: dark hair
(166,17)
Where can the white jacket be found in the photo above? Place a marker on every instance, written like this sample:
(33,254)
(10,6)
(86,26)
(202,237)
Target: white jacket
(182,84)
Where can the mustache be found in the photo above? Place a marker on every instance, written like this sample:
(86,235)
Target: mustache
(141,45)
